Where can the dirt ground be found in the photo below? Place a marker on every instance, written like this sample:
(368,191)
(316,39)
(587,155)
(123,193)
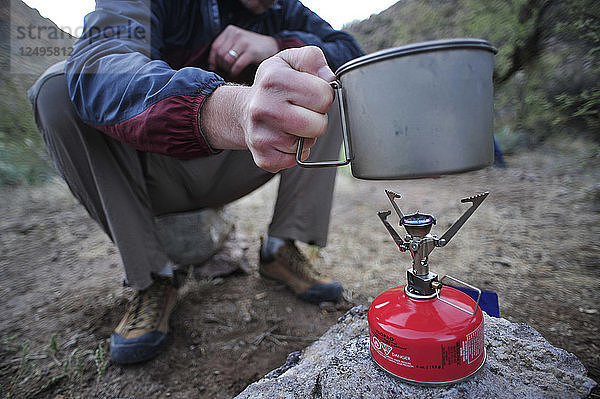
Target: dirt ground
(534,241)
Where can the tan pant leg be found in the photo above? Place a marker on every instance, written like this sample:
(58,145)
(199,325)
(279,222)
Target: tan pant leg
(105,175)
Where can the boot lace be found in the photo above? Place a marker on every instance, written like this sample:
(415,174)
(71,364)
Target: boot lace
(145,307)
(298,263)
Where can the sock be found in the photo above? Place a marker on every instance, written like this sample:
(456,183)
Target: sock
(270,246)
(167,270)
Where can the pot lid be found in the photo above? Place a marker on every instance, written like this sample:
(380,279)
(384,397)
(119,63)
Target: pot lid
(446,44)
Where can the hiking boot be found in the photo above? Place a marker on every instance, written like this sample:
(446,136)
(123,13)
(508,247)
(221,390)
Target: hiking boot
(142,330)
(289,266)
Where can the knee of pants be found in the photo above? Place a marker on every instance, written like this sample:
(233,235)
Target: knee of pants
(55,115)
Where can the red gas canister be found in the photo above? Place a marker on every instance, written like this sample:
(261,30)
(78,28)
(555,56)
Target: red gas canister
(426,340)
(426,331)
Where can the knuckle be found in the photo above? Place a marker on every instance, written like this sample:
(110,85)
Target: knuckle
(260,111)
(313,51)
(275,70)
(312,54)
(274,79)
(269,80)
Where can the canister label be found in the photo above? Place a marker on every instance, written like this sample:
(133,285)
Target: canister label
(473,346)
(387,352)
(459,353)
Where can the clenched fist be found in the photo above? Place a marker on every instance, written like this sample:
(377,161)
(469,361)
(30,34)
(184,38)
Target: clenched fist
(289,99)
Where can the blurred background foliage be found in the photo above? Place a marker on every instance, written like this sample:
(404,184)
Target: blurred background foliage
(23,157)
(547,70)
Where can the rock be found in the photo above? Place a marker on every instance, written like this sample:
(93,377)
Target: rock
(231,258)
(593,193)
(191,238)
(520,364)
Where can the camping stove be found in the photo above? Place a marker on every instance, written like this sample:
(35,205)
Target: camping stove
(427,331)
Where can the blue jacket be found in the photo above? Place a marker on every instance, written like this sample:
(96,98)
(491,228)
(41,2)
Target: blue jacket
(138,72)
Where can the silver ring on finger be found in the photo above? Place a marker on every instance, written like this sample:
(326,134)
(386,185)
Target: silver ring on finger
(234,54)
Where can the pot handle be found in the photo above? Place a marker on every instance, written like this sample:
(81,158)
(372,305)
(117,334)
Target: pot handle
(337,87)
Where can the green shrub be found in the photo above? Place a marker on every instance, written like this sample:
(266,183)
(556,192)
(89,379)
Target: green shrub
(23,157)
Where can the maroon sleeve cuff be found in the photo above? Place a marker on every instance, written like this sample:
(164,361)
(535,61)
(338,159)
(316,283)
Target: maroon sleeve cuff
(289,42)
(168,127)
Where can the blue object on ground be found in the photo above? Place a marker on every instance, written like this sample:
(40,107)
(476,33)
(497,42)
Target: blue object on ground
(488,301)
(498,157)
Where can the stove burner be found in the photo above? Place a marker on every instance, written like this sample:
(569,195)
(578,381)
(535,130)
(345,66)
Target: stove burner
(417,224)
(418,219)
(419,241)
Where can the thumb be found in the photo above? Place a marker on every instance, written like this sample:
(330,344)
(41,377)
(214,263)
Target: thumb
(309,59)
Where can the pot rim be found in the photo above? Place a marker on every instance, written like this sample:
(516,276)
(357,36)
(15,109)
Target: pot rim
(415,48)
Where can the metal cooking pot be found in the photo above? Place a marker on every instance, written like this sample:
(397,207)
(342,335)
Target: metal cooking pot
(419,110)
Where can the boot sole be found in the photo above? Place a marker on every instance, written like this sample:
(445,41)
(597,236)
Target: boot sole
(323,292)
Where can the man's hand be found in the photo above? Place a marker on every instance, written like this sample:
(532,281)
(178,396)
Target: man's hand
(236,48)
(289,99)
